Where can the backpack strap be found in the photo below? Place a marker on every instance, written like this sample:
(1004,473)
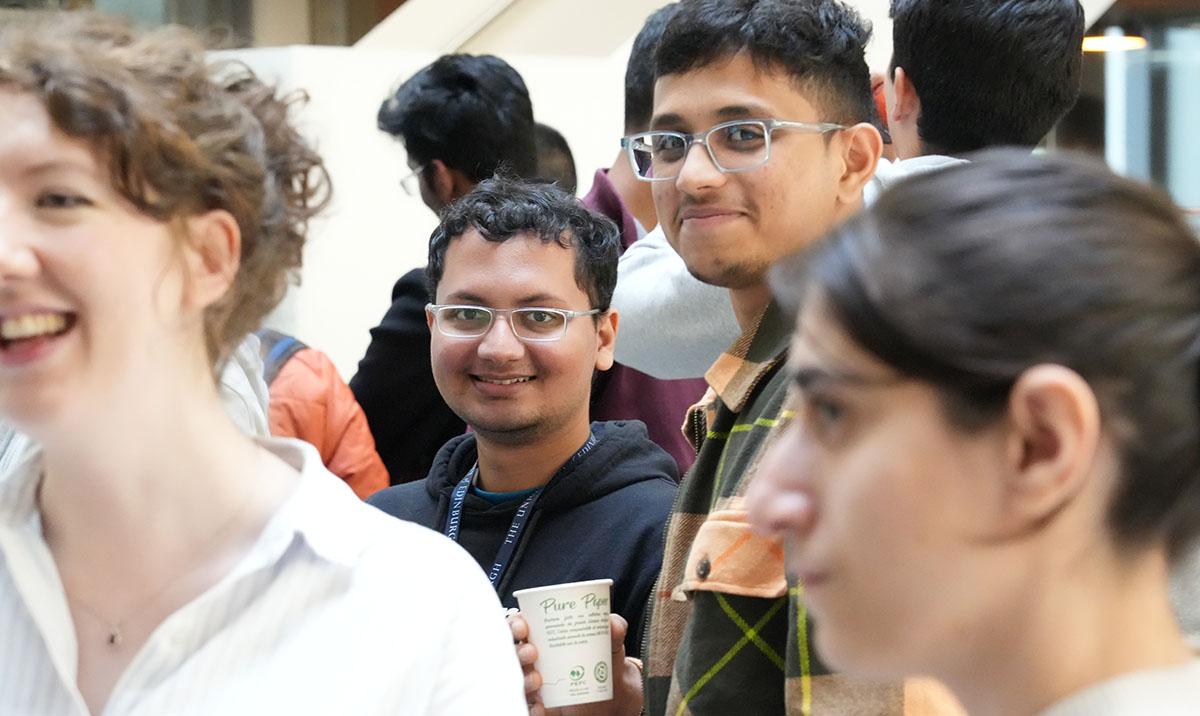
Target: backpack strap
(276,350)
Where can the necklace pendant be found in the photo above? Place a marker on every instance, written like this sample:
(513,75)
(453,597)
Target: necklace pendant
(114,636)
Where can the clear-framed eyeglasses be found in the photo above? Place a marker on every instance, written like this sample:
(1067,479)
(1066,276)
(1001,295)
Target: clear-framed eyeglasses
(538,325)
(736,146)
(411,183)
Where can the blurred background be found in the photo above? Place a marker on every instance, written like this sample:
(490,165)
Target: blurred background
(1140,108)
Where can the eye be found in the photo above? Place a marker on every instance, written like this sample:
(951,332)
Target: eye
(668,147)
(825,416)
(747,137)
(827,412)
(61,200)
(467,314)
(541,317)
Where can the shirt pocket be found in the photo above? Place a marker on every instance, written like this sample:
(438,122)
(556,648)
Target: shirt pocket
(728,557)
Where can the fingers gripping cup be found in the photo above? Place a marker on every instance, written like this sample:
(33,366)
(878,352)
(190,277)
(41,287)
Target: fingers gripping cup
(569,625)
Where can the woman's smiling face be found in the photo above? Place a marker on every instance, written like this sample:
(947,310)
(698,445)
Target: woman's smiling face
(91,290)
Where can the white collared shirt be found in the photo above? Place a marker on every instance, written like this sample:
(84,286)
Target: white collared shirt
(337,609)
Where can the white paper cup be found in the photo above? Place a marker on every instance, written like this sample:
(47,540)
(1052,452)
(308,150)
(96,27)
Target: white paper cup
(569,625)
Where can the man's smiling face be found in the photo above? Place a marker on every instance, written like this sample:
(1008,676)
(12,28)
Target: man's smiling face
(508,389)
(729,228)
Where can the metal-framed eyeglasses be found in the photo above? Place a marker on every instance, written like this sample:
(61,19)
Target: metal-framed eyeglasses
(411,183)
(736,146)
(534,324)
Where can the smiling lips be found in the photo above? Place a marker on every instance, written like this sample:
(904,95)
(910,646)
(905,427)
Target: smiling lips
(700,213)
(30,326)
(503,381)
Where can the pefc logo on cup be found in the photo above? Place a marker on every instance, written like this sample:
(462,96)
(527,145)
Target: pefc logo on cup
(577,673)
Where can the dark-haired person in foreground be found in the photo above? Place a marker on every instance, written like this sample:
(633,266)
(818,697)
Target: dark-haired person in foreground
(994,459)
(779,92)
(520,279)
(965,76)
(460,119)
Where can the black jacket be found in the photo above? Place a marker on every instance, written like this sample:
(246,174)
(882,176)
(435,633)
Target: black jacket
(394,385)
(603,517)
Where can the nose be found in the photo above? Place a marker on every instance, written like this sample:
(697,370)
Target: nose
(17,258)
(698,171)
(781,500)
(500,344)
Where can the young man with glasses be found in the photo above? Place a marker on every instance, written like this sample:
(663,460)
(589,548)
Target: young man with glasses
(520,280)
(760,143)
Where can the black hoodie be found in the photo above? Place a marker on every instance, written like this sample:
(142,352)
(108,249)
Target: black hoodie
(602,517)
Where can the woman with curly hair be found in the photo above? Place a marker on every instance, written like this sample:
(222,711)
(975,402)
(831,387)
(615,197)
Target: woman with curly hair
(153,558)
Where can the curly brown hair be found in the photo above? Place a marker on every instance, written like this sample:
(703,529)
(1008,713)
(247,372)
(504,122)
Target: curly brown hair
(180,136)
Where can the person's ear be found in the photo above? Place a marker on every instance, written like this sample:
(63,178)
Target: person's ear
(606,338)
(460,184)
(862,146)
(1052,447)
(906,105)
(441,182)
(212,253)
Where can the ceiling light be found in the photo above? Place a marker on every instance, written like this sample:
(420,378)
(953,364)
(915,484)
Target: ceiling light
(1113,43)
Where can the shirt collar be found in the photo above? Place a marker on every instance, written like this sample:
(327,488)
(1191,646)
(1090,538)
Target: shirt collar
(738,370)
(322,512)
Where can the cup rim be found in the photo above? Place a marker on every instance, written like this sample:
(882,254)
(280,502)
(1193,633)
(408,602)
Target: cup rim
(559,587)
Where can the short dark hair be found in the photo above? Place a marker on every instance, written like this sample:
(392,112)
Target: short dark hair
(470,111)
(639,71)
(967,277)
(991,73)
(820,43)
(555,161)
(501,208)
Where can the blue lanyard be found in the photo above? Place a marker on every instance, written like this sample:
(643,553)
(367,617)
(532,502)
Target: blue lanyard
(520,520)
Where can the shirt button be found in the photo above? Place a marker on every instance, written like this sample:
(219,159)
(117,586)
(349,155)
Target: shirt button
(703,569)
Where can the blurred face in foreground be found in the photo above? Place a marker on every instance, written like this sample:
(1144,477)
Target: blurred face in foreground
(96,298)
(894,519)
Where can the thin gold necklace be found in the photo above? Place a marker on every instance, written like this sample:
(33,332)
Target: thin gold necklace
(116,627)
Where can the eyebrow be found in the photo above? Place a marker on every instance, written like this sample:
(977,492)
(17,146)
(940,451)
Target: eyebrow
(53,165)
(809,377)
(733,111)
(535,300)
(738,111)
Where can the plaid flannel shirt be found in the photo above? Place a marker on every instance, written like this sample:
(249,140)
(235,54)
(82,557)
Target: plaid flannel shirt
(728,634)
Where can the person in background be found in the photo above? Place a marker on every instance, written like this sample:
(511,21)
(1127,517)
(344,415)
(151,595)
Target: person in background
(625,393)
(154,558)
(996,449)
(460,119)
(555,163)
(310,401)
(520,280)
